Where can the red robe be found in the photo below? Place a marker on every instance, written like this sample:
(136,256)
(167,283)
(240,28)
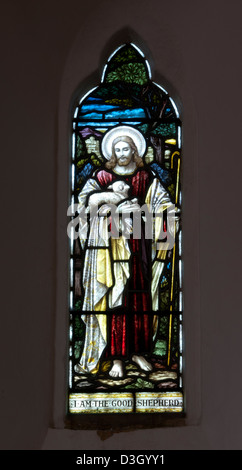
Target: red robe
(130,330)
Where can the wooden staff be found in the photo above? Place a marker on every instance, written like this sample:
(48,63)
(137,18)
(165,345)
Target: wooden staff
(173,260)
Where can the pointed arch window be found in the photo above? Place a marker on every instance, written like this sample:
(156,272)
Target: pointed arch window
(126,302)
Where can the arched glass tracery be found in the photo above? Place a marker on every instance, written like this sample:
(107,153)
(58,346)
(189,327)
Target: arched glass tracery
(126,290)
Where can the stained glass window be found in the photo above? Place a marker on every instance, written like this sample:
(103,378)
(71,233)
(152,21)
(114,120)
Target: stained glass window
(126,298)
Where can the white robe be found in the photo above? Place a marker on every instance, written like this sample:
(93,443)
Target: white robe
(103,283)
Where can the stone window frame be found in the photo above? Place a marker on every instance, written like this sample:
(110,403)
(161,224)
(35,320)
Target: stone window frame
(72,84)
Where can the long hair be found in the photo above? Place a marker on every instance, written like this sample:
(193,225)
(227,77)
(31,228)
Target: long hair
(136,158)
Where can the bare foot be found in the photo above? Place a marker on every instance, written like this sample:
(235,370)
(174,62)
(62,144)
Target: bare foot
(117,369)
(142,363)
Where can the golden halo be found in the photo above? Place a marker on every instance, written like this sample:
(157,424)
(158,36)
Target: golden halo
(122,131)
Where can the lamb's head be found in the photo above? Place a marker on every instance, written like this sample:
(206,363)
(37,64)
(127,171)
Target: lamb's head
(120,187)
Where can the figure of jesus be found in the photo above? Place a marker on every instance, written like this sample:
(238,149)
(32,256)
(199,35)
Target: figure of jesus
(121,276)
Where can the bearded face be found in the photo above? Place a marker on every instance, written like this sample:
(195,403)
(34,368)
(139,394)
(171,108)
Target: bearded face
(124,153)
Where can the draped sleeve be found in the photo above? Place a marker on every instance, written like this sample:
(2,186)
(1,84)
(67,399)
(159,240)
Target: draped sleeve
(158,200)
